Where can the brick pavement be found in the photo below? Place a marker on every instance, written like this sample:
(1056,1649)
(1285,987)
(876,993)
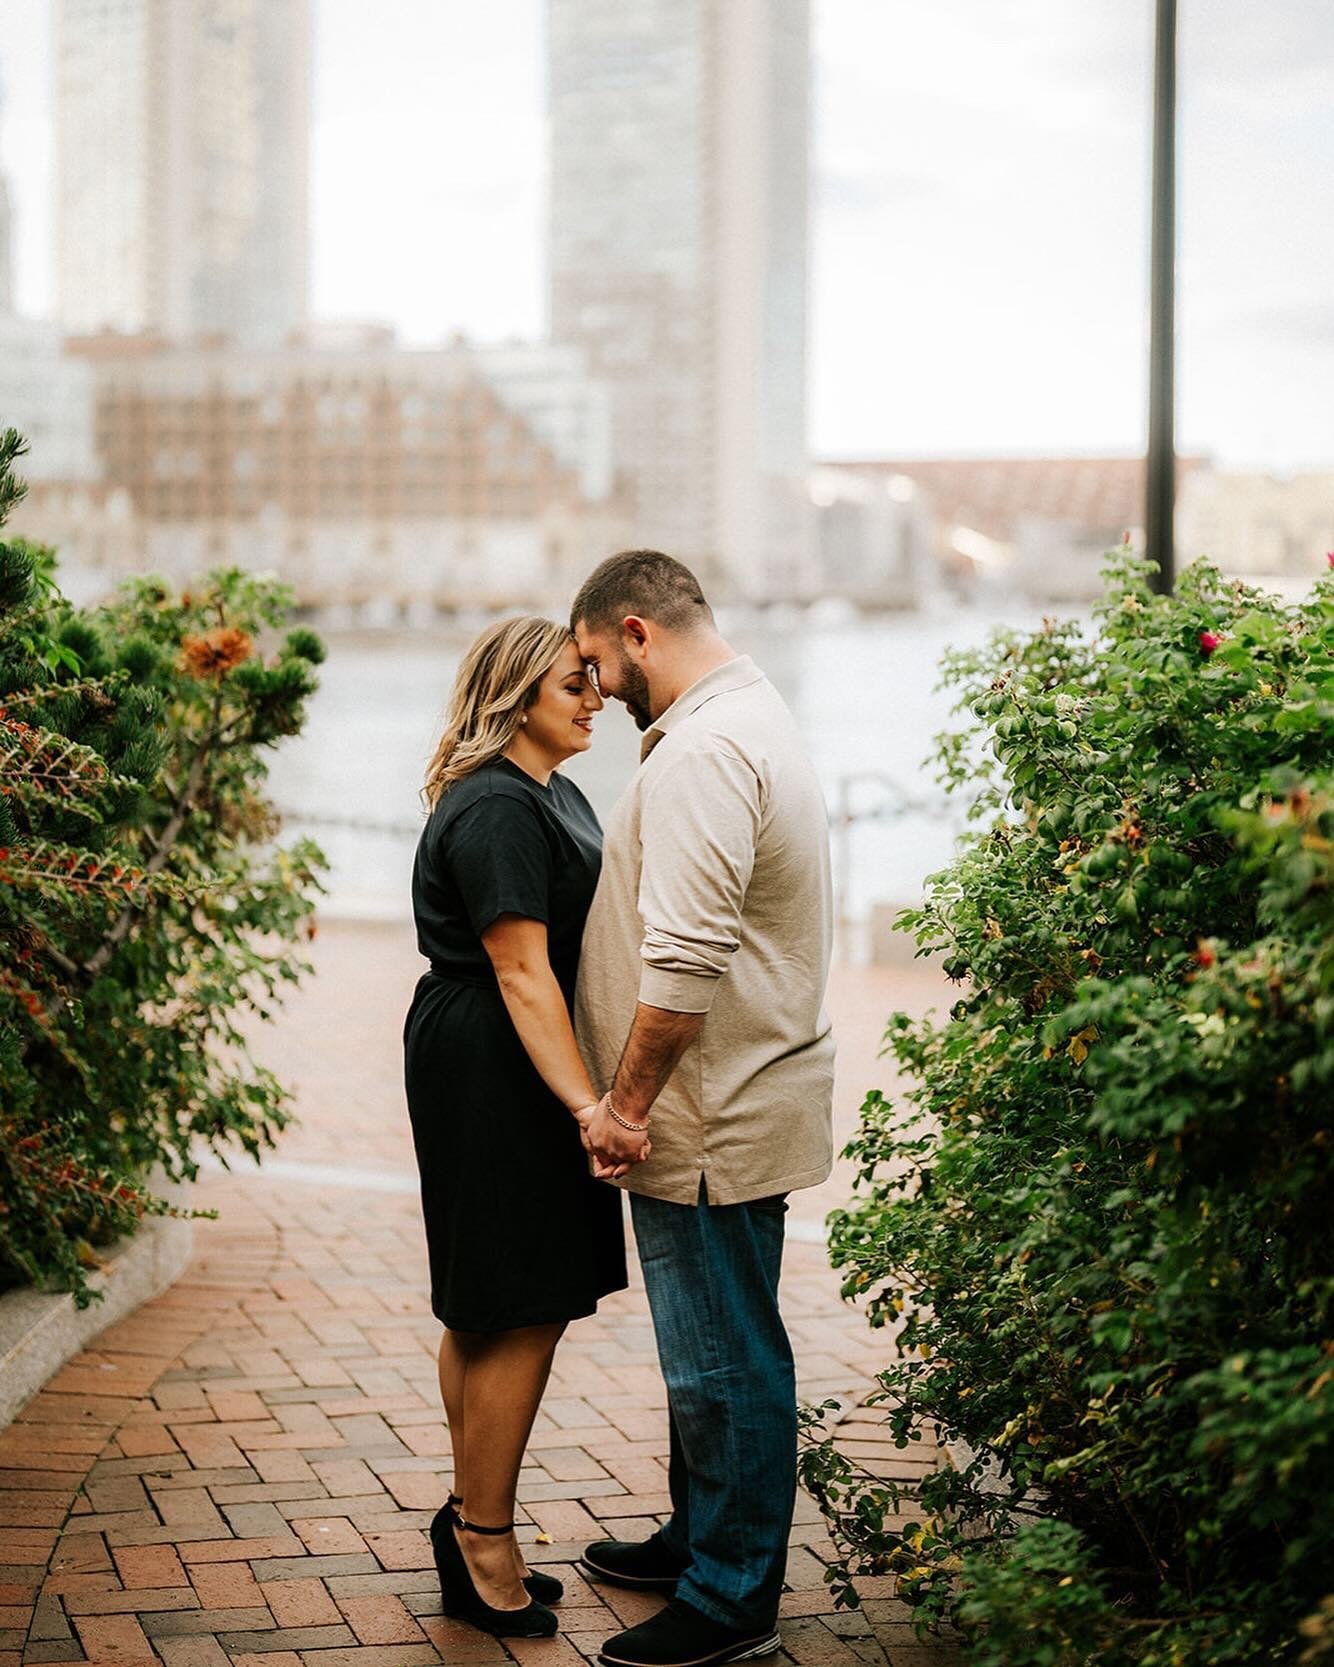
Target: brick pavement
(243,1470)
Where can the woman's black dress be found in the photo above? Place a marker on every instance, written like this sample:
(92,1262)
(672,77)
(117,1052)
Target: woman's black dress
(519,1232)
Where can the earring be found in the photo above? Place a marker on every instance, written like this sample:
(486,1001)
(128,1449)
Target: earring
(524,718)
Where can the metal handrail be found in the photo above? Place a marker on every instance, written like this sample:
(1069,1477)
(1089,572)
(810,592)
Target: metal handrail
(894,803)
(891,803)
(393,829)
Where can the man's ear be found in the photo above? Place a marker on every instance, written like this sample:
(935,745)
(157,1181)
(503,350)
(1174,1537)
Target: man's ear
(638,632)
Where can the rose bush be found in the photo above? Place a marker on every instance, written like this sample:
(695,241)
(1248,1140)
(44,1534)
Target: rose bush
(145,909)
(1102,1231)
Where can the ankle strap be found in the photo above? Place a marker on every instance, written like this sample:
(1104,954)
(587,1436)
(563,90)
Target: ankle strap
(475,1528)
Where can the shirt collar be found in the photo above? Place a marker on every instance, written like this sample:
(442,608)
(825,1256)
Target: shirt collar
(737,673)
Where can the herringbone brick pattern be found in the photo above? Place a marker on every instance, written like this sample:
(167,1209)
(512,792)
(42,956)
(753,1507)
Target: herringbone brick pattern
(244,1470)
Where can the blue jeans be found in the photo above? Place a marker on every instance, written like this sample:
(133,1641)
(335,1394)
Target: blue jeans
(711,1274)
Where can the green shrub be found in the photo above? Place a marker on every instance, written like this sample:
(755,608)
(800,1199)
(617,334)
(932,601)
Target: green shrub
(1103,1235)
(145,913)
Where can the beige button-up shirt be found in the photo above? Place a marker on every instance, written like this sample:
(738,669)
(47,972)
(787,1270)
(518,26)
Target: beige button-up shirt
(715,898)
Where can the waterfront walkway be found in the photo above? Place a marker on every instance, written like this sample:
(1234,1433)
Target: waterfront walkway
(242,1472)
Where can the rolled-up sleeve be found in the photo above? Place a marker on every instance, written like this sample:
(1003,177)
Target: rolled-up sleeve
(700,825)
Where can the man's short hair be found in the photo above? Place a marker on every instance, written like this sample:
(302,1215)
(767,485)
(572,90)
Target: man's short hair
(646,583)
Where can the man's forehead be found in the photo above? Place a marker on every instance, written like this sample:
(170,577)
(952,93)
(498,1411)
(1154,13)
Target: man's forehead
(589,643)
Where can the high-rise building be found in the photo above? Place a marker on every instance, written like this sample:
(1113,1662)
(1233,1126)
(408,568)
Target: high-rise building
(6,250)
(6,235)
(678,260)
(182,143)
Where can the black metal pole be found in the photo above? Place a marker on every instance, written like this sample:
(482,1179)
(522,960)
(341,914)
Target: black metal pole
(1160,488)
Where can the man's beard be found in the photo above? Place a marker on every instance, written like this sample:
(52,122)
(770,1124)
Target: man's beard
(633,693)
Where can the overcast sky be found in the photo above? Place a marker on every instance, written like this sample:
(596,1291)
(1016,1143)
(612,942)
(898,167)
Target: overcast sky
(979,248)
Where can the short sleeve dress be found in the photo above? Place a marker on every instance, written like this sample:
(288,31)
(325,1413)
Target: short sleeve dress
(518,1232)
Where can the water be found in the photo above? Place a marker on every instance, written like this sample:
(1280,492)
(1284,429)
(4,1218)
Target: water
(864,694)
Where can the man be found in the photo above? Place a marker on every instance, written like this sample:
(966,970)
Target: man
(700,1008)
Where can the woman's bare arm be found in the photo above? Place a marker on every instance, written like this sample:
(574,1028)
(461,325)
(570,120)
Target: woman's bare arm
(518,950)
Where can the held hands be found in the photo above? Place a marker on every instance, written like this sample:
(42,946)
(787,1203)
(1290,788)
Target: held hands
(611,1147)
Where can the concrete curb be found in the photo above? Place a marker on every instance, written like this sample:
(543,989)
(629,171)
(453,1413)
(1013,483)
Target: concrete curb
(41,1330)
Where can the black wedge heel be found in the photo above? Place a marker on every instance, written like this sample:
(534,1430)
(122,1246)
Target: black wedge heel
(544,1587)
(460,1597)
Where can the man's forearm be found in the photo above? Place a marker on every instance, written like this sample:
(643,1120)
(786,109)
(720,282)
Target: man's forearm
(653,1049)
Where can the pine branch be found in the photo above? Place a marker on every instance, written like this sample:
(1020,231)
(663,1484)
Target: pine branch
(95,687)
(165,842)
(12,489)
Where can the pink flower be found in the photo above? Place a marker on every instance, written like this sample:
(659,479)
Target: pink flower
(1209,641)
(1329,557)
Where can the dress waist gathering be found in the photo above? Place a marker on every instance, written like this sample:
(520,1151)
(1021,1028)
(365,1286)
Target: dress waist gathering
(473,980)
(488,981)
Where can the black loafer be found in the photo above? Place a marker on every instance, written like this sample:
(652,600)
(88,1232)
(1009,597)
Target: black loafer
(641,1565)
(679,1636)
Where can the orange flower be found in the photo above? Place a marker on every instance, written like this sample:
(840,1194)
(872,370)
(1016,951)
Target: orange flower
(215,653)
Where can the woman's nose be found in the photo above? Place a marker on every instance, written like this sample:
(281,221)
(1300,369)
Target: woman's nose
(592,699)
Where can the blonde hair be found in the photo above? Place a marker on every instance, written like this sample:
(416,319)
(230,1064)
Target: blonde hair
(498,680)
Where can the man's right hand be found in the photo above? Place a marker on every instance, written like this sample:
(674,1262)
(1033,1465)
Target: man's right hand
(612,1148)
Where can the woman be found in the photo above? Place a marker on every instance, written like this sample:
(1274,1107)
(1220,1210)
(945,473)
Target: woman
(522,1238)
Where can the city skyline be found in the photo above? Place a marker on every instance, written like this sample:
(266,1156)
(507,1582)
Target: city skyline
(979,270)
